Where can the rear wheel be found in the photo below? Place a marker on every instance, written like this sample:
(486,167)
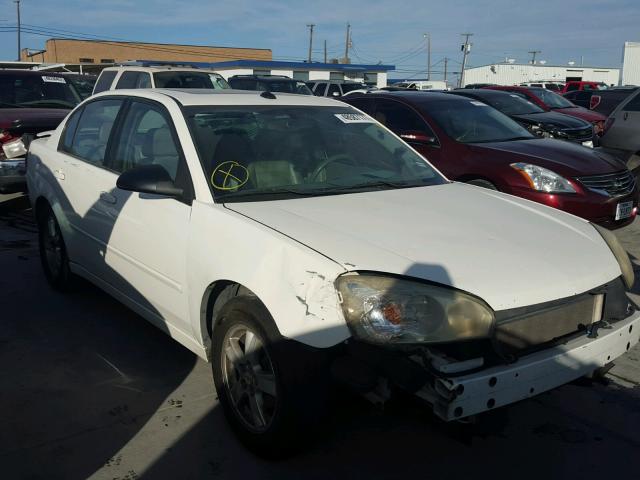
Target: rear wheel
(271,389)
(479,182)
(53,252)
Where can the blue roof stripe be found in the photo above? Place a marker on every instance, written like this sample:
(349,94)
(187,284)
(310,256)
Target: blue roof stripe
(347,67)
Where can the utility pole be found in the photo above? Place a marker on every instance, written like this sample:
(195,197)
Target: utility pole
(310,25)
(325,51)
(428,37)
(533,55)
(17,2)
(446,60)
(346,44)
(466,48)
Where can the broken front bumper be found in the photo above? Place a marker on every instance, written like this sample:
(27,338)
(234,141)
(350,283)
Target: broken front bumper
(459,397)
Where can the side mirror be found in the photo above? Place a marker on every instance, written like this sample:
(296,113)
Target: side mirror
(419,138)
(149,179)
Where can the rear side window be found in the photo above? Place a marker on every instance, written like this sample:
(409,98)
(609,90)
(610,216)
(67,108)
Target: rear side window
(572,86)
(243,84)
(334,89)
(319,90)
(104,82)
(70,130)
(399,118)
(633,105)
(93,130)
(128,80)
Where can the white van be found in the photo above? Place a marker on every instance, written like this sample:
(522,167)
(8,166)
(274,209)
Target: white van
(424,85)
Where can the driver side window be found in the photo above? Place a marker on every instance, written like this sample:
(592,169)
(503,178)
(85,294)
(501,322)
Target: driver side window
(400,118)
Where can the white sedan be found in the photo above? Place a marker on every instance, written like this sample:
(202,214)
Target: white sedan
(293,241)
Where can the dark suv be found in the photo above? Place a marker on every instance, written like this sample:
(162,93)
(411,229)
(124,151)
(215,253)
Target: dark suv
(30,102)
(335,88)
(269,83)
(469,141)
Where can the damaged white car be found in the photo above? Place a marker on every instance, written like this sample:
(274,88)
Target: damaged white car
(293,242)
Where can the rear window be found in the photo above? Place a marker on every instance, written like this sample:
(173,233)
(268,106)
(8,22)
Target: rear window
(37,91)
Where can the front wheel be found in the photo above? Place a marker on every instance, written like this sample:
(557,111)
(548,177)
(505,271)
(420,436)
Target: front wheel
(272,389)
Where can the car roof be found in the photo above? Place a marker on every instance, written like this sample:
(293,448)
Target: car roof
(265,78)
(414,97)
(144,68)
(206,97)
(18,71)
(480,92)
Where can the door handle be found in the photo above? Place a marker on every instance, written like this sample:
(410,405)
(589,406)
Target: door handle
(59,174)
(106,197)
(626,115)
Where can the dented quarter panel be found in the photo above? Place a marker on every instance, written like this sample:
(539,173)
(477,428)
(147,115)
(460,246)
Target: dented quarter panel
(294,282)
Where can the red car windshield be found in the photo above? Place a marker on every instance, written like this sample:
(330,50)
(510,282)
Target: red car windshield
(18,90)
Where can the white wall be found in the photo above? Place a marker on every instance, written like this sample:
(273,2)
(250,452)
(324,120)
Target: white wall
(508,74)
(631,64)
(319,74)
(230,72)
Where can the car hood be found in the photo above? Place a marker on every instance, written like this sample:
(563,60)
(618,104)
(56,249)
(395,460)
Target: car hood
(551,118)
(582,113)
(565,158)
(506,250)
(32,119)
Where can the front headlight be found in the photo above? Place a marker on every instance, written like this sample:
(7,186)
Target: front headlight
(619,252)
(541,131)
(543,179)
(381,309)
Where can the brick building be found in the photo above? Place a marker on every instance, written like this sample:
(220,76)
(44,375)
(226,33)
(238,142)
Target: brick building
(63,50)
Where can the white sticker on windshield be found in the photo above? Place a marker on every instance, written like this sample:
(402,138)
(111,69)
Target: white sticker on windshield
(353,118)
(53,79)
(478,104)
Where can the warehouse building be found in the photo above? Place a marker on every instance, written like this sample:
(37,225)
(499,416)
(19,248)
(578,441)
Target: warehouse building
(631,64)
(63,50)
(513,74)
(372,74)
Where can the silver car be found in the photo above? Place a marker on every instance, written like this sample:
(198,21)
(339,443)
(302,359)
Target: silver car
(622,131)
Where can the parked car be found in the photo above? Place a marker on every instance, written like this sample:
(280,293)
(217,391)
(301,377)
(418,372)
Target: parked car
(600,101)
(269,83)
(553,86)
(551,101)
(293,240)
(583,85)
(159,76)
(472,142)
(335,88)
(83,83)
(30,102)
(534,118)
(472,86)
(622,130)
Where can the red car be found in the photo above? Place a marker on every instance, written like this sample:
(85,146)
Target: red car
(582,85)
(549,100)
(469,141)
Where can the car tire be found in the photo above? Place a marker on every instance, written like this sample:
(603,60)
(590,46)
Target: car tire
(479,182)
(53,251)
(274,391)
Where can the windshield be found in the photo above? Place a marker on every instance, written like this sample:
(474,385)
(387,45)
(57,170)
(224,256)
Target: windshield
(36,91)
(473,121)
(512,104)
(274,152)
(189,80)
(552,100)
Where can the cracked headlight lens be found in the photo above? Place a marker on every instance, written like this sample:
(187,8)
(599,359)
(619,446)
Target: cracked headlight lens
(381,309)
(619,252)
(543,179)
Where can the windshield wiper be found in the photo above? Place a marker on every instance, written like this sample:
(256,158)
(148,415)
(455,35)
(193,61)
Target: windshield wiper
(379,183)
(262,193)
(10,105)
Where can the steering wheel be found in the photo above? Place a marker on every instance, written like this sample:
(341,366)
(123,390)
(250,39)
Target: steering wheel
(325,163)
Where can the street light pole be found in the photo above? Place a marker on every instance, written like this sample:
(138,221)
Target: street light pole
(310,25)
(428,37)
(17,2)
(466,47)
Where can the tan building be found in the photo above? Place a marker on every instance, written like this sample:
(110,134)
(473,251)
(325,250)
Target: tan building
(62,50)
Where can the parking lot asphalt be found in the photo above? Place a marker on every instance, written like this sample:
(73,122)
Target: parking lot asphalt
(90,390)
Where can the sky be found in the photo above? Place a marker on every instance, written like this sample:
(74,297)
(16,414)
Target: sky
(386,31)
